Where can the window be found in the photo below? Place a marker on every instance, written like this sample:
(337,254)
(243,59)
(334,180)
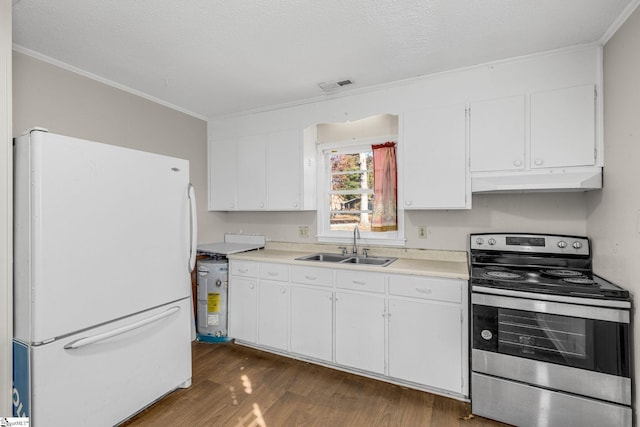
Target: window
(346,195)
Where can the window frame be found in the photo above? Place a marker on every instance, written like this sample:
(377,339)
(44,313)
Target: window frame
(324,234)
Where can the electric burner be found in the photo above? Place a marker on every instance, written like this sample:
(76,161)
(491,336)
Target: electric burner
(562,273)
(579,281)
(504,275)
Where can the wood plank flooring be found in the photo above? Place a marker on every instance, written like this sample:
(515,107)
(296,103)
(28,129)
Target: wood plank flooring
(237,386)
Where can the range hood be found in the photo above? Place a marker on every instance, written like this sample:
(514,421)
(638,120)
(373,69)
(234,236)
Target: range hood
(539,180)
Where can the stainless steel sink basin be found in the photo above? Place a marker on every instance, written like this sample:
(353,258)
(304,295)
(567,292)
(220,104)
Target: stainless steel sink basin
(324,257)
(349,259)
(379,261)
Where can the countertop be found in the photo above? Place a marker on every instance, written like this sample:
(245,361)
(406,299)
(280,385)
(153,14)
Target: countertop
(422,262)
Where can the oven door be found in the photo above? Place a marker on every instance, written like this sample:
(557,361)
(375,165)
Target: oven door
(574,348)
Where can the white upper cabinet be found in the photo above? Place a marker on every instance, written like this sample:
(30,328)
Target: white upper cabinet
(272,172)
(222,175)
(434,158)
(251,173)
(284,174)
(537,141)
(497,134)
(563,127)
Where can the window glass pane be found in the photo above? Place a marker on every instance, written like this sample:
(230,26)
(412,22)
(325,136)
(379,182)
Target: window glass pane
(349,210)
(351,181)
(351,162)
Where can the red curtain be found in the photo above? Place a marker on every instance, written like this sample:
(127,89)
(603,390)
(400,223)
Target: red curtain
(385,184)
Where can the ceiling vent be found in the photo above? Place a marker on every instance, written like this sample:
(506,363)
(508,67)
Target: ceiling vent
(334,85)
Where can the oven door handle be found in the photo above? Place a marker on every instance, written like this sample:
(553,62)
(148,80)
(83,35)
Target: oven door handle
(551,307)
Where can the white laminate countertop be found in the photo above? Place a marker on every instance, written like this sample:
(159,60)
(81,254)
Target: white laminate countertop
(422,262)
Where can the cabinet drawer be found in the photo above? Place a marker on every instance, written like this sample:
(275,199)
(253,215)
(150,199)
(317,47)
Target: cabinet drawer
(312,276)
(426,287)
(274,272)
(361,281)
(244,268)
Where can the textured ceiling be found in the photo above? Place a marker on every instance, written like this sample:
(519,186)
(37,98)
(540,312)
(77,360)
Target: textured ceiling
(215,57)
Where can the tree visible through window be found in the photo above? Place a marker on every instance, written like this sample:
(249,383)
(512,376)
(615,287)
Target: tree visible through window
(351,192)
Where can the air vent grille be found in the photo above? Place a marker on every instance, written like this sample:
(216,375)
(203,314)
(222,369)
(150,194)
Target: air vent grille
(334,85)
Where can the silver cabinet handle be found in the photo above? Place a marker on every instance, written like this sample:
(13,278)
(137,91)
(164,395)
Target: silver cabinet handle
(83,342)
(310,277)
(424,291)
(272,273)
(359,283)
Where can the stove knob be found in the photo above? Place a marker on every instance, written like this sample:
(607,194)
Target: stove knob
(577,245)
(479,240)
(486,334)
(492,241)
(562,244)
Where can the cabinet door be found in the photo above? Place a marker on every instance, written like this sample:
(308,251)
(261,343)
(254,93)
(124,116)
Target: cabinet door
(243,309)
(435,159)
(273,309)
(251,174)
(497,134)
(222,175)
(360,339)
(311,322)
(425,343)
(284,170)
(563,127)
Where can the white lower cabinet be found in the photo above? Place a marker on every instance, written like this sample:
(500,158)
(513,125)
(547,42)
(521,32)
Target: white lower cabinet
(405,329)
(243,308)
(432,352)
(312,322)
(360,331)
(273,314)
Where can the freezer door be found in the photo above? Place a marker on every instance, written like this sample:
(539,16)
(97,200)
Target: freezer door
(101,232)
(102,376)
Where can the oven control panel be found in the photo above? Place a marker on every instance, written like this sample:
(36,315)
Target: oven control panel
(537,243)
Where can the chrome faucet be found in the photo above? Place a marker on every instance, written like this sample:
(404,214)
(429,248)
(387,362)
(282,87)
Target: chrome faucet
(356,236)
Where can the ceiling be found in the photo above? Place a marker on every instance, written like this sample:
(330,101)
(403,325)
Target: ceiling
(217,57)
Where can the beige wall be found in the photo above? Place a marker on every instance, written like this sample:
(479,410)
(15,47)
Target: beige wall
(69,104)
(6,226)
(448,230)
(613,215)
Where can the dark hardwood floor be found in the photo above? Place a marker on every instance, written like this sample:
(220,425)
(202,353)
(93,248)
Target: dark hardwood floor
(239,386)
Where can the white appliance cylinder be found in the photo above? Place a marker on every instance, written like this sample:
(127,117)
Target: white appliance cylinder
(212,292)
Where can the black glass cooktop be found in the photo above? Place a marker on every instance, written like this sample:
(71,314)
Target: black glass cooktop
(559,281)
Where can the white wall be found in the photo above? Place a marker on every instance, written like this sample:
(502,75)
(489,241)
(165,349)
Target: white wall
(69,104)
(613,214)
(6,203)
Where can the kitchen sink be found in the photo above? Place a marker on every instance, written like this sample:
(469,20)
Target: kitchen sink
(349,259)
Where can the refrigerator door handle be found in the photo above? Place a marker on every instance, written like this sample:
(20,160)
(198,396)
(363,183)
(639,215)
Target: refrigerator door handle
(83,342)
(194,228)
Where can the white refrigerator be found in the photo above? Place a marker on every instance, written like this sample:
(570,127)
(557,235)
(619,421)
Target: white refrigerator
(105,239)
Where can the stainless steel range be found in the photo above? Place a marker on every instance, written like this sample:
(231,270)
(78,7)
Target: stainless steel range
(550,340)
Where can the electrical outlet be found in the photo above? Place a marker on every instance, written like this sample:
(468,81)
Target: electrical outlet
(422,231)
(303,231)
